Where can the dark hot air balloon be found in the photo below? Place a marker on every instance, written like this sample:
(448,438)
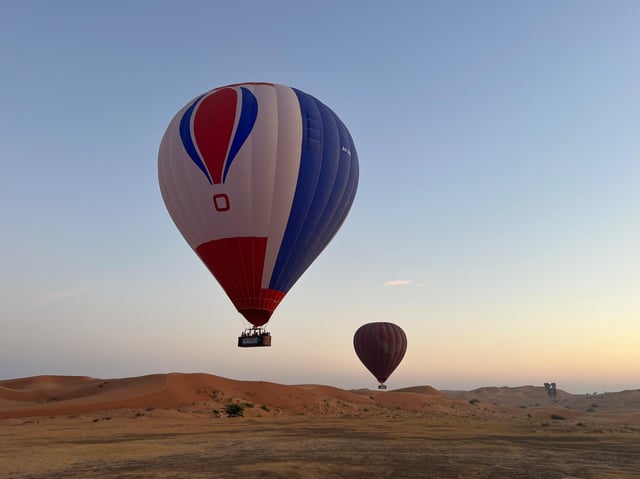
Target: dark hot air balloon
(380,347)
(258,178)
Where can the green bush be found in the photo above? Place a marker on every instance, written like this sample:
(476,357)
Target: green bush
(234,410)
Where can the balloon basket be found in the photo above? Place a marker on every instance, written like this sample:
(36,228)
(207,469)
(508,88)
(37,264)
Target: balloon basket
(254,338)
(382,386)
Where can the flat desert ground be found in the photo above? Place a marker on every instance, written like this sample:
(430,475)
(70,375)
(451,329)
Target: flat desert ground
(176,426)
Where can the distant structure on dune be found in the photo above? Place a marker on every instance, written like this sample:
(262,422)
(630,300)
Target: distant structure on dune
(551,390)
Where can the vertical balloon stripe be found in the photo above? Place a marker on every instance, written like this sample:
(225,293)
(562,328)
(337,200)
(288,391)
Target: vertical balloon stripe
(282,146)
(187,140)
(248,115)
(344,188)
(316,192)
(322,199)
(335,196)
(395,344)
(286,266)
(213,123)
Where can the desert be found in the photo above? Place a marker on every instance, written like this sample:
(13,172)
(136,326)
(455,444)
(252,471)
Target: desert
(201,426)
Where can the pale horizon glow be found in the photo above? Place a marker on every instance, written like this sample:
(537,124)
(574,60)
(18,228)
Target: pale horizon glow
(497,219)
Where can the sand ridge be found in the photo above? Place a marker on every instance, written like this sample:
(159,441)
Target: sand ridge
(59,395)
(206,394)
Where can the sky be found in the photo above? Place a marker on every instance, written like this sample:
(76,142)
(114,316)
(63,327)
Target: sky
(497,218)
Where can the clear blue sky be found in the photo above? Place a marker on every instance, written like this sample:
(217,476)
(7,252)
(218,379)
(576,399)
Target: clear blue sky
(500,187)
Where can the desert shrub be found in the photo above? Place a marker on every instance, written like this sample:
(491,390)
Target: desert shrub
(108,418)
(248,404)
(265,407)
(591,409)
(558,417)
(474,401)
(234,409)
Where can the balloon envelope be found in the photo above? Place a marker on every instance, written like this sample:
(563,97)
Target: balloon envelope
(380,347)
(258,178)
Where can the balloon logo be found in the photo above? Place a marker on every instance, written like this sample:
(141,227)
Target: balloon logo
(380,347)
(258,178)
(208,125)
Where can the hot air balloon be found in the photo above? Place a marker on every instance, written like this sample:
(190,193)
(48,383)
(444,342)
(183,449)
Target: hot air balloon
(258,178)
(380,347)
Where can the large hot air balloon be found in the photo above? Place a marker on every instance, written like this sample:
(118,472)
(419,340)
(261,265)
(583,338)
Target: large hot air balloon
(380,347)
(258,178)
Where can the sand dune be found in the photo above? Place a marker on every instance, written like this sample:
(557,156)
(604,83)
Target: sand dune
(200,393)
(175,425)
(60,395)
(537,396)
(616,407)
